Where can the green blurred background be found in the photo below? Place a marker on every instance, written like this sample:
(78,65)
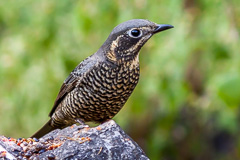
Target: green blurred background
(186,105)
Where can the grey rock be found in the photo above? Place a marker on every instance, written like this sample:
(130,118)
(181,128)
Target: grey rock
(106,141)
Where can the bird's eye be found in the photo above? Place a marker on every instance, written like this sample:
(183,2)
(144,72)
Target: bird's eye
(135,33)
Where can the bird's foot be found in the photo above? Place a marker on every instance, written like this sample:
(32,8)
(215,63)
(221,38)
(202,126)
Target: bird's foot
(82,123)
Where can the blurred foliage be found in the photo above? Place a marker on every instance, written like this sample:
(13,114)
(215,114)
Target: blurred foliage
(186,105)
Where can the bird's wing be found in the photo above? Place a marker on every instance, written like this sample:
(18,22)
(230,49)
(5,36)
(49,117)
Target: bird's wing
(74,79)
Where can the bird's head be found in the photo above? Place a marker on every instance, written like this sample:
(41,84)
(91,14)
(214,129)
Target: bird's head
(126,39)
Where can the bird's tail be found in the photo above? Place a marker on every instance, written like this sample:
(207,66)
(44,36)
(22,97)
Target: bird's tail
(44,130)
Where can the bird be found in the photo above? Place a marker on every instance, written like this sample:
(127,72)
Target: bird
(97,89)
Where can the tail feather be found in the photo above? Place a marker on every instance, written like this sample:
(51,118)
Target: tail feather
(44,130)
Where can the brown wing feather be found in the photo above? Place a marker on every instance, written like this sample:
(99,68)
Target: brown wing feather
(66,87)
(74,79)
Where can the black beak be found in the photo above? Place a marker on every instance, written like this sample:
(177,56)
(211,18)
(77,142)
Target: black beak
(162,27)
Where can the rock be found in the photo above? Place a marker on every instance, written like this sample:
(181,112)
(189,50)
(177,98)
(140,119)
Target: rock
(106,141)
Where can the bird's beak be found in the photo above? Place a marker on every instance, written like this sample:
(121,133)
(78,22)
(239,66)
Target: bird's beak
(162,27)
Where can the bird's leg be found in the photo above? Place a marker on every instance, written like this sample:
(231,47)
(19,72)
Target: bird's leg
(81,122)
